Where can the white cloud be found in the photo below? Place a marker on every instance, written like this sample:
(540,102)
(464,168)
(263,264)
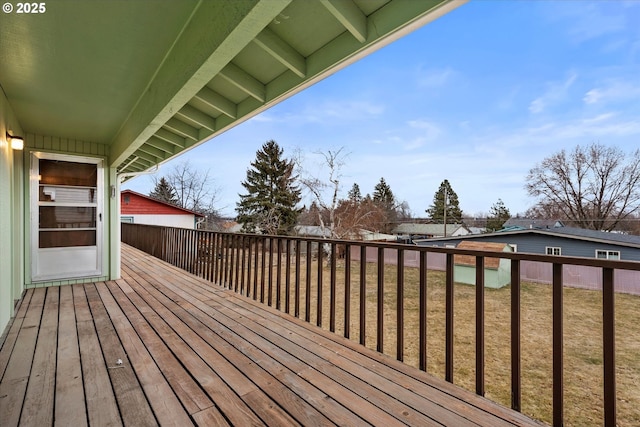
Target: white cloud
(612,91)
(556,92)
(434,78)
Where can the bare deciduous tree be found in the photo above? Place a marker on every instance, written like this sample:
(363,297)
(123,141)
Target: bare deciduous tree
(195,190)
(594,187)
(325,193)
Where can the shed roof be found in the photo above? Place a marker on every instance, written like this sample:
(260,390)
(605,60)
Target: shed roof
(470,260)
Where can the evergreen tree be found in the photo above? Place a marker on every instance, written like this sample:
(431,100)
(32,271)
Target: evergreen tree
(272,195)
(437,210)
(498,216)
(354,194)
(382,193)
(383,197)
(164,192)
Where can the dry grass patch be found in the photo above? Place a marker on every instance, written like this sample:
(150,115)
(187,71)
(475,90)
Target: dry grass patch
(582,337)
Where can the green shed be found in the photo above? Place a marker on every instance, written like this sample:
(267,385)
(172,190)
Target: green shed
(497,271)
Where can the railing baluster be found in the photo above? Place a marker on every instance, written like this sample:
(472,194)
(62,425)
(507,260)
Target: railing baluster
(270,274)
(258,244)
(609,346)
(332,289)
(297,281)
(380,302)
(363,294)
(480,325)
(287,280)
(400,306)
(558,382)
(448,375)
(320,285)
(423,310)
(238,251)
(307,289)
(263,260)
(347,290)
(243,268)
(279,274)
(249,265)
(516,364)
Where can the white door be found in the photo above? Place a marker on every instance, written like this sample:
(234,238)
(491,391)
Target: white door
(66,216)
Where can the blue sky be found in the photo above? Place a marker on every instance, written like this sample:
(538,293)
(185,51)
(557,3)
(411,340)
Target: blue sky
(477,97)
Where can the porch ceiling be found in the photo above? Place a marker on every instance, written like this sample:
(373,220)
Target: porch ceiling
(152,79)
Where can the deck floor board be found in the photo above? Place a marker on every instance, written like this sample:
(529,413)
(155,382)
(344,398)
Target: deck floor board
(194,353)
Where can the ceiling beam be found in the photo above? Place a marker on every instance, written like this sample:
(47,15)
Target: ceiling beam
(181,128)
(350,16)
(161,144)
(171,137)
(214,35)
(217,101)
(147,157)
(271,43)
(194,115)
(243,81)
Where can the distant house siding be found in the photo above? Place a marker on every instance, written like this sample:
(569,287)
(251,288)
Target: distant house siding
(537,244)
(140,209)
(182,221)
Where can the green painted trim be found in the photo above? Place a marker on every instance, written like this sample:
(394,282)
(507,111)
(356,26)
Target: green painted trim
(11,280)
(210,40)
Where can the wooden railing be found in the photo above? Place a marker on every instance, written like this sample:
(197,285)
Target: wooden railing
(245,263)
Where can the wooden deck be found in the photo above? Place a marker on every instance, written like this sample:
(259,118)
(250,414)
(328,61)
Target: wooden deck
(163,347)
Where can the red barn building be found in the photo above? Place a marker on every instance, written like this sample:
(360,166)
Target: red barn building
(140,209)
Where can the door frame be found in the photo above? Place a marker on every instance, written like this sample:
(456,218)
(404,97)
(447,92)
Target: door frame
(35,157)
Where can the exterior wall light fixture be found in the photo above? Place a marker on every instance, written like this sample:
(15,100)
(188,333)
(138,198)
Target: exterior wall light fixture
(17,142)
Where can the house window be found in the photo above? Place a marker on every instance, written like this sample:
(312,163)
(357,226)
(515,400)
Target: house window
(127,199)
(602,254)
(553,250)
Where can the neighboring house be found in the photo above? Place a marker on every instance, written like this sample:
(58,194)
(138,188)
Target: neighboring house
(412,230)
(137,208)
(568,241)
(318,231)
(497,271)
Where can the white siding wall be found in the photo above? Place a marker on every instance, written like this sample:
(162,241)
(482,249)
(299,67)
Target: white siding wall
(182,221)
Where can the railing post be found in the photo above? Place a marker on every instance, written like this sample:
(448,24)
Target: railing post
(480,325)
(279,274)
(287,280)
(516,377)
(320,283)
(307,293)
(609,346)
(400,305)
(380,301)
(363,294)
(448,374)
(423,310)
(332,289)
(558,382)
(297,282)
(347,290)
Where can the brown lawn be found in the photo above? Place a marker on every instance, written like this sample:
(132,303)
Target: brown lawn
(582,338)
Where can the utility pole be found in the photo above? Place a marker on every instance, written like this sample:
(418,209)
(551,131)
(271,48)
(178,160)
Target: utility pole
(446,201)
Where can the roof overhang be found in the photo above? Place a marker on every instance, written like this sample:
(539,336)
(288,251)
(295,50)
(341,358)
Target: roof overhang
(152,79)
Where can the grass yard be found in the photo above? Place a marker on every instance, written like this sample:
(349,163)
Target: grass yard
(582,334)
